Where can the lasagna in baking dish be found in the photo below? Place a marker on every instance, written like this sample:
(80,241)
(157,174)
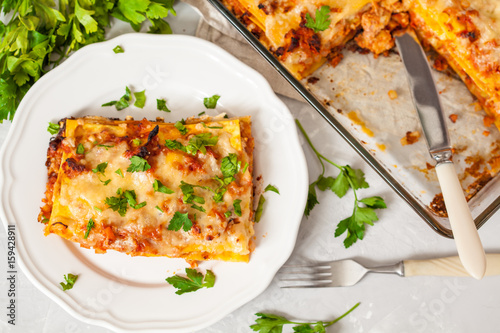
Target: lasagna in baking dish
(305,34)
(151,188)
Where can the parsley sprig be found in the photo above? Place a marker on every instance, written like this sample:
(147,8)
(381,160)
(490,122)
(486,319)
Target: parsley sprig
(124,198)
(198,142)
(39,34)
(322,21)
(193,282)
(267,323)
(347,178)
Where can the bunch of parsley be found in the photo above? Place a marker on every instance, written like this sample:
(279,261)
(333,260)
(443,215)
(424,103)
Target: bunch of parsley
(348,178)
(41,33)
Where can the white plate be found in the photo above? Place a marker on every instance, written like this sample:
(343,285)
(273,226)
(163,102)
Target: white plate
(127,293)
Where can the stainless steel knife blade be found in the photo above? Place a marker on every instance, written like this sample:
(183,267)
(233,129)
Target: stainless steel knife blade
(425,96)
(426,100)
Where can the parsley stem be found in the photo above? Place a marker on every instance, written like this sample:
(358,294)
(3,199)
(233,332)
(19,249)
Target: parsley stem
(345,314)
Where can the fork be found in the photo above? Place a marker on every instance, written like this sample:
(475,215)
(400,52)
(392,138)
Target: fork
(348,272)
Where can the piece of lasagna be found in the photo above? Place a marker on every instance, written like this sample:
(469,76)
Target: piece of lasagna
(151,188)
(305,34)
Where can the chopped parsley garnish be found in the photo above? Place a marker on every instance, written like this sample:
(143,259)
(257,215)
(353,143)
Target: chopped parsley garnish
(347,178)
(212,127)
(201,113)
(120,173)
(136,142)
(260,208)
(194,281)
(244,168)
(161,105)
(271,188)
(105,146)
(105,182)
(230,165)
(211,102)
(158,207)
(122,103)
(138,163)
(100,168)
(180,126)
(271,323)
(98,209)
(53,128)
(118,49)
(188,193)
(90,225)
(179,221)
(197,143)
(159,187)
(322,21)
(70,281)
(124,198)
(227,214)
(201,209)
(117,204)
(80,149)
(237,207)
(140,99)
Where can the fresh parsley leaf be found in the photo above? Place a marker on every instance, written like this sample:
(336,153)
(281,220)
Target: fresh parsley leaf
(53,128)
(100,168)
(120,173)
(193,282)
(123,102)
(312,199)
(161,105)
(244,168)
(199,142)
(227,214)
(105,182)
(271,323)
(90,225)
(271,188)
(80,149)
(374,202)
(70,281)
(140,99)
(322,21)
(260,208)
(158,207)
(179,221)
(137,164)
(136,142)
(180,126)
(98,209)
(105,146)
(230,165)
(201,209)
(348,178)
(132,199)
(174,144)
(117,204)
(188,194)
(159,187)
(118,49)
(237,207)
(211,102)
(201,113)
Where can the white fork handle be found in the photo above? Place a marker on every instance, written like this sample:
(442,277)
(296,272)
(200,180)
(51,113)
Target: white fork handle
(469,247)
(450,266)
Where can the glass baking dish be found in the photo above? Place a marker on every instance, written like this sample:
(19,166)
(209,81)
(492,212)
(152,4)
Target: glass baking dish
(376,127)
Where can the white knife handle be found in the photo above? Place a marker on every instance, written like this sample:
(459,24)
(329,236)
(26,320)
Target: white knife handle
(450,266)
(469,247)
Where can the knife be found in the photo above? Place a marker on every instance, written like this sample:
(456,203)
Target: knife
(426,100)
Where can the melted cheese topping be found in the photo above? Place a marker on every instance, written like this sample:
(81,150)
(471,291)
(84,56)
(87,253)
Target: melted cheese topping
(79,194)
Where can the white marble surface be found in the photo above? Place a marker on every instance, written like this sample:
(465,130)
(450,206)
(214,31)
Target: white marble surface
(388,303)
